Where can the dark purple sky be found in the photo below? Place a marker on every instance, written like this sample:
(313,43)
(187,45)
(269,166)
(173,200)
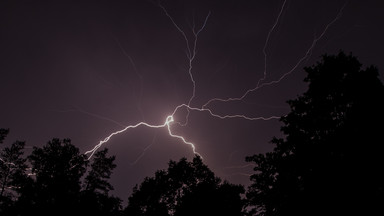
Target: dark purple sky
(85,69)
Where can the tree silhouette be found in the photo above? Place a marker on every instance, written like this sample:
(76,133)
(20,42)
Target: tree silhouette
(12,172)
(55,183)
(185,188)
(95,198)
(101,170)
(58,168)
(329,161)
(12,167)
(3,133)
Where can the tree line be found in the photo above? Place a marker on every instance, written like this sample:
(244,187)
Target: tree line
(329,161)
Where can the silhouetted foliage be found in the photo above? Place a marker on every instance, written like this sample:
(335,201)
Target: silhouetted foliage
(101,170)
(185,188)
(95,199)
(62,181)
(330,161)
(55,188)
(12,168)
(3,133)
(57,168)
(12,172)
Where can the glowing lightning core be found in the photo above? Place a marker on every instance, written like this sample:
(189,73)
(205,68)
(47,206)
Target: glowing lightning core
(191,53)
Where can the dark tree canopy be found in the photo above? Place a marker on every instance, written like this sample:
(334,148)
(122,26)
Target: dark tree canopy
(56,179)
(57,168)
(101,170)
(3,133)
(57,184)
(12,172)
(12,168)
(95,198)
(185,188)
(330,160)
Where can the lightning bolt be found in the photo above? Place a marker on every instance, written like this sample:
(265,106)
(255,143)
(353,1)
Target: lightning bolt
(266,43)
(191,51)
(307,54)
(168,120)
(191,54)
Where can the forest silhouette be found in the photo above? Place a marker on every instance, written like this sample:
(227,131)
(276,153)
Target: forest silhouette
(327,162)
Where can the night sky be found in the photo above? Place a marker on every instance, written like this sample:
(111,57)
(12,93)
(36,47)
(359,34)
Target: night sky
(85,69)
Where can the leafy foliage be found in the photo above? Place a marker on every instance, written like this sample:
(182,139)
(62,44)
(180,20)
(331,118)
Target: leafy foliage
(53,183)
(58,168)
(3,133)
(185,188)
(12,167)
(12,172)
(95,199)
(101,170)
(61,181)
(330,158)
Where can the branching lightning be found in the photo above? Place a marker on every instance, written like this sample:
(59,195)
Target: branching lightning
(307,54)
(191,54)
(191,51)
(106,139)
(266,44)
